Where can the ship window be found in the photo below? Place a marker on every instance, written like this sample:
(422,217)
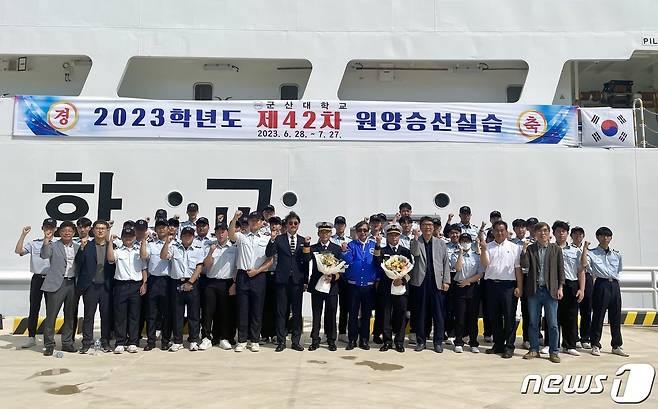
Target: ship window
(202,91)
(250,79)
(432,80)
(289,92)
(514,93)
(43,74)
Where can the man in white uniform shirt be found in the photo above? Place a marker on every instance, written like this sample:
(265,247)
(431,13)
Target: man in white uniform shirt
(159,284)
(251,283)
(186,262)
(130,277)
(504,282)
(218,310)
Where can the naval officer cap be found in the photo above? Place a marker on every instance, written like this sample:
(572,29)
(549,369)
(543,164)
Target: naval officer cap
(187,230)
(161,222)
(324,226)
(393,228)
(141,224)
(202,221)
(128,231)
(49,222)
(255,215)
(340,220)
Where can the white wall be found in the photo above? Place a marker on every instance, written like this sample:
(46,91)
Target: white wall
(45,76)
(174,78)
(430,86)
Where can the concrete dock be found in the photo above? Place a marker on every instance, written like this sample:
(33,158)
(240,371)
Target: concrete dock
(320,379)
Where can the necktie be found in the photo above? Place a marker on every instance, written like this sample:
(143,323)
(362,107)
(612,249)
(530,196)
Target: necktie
(324,247)
(292,244)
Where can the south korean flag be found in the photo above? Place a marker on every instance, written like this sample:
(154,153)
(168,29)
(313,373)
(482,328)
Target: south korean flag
(608,127)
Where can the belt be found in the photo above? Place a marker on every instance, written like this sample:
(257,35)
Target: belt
(355,283)
(499,281)
(42,276)
(69,278)
(127,282)
(610,280)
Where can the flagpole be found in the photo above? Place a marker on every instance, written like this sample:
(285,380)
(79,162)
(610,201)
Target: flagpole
(644,138)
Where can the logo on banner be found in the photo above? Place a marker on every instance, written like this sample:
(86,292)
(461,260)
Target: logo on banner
(609,128)
(62,115)
(532,123)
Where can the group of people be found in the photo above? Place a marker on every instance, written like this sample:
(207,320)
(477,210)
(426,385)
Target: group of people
(251,276)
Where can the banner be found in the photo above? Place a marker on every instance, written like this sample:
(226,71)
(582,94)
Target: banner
(608,127)
(295,120)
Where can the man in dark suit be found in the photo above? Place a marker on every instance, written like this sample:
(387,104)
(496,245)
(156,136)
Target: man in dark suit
(95,278)
(291,276)
(318,298)
(59,286)
(430,279)
(395,306)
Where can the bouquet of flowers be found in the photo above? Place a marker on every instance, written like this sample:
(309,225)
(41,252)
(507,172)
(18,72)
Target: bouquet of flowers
(397,267)
(327,264)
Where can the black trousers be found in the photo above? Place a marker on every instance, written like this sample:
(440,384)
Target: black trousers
(218,312)
(250,292)
(430,307)
(380,299)
(328,302)
(143,316)
(127,307)
(395,316)
(66,296)
(182,299)
(467,306)
(585,308)
(486,319)
(361,300)
(269,311)
(289,298)
(567,314)
(159,309)
(96,296)
(450,307)
(606,296)
(501,304)
(344,305)
(35,303)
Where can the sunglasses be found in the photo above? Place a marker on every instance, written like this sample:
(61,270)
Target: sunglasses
(293,223)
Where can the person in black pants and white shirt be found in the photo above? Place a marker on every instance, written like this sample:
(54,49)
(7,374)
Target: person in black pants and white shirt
(250,280)
(218,309)
(39,269)
(59,286)
(130,278)
(186,263)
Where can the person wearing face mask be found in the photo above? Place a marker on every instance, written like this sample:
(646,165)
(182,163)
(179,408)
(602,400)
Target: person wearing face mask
(454,232)
(466,293)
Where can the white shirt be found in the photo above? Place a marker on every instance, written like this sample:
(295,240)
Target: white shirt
(128,264)
(70,260)
(184,261)
(223,266)
(503,259)
(38,265)
(251,250)
(156,266)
